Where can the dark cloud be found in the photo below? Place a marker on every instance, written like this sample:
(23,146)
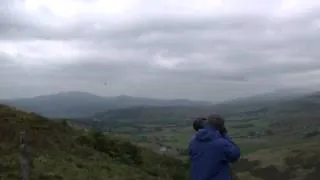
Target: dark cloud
(232,55)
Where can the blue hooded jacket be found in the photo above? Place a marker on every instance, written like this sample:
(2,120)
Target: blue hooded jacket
(210,155)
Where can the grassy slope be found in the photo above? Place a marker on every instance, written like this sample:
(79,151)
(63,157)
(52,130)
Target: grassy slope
(294,162)
(60,152)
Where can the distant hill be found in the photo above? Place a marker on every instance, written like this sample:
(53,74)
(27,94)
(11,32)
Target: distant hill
(271,97)
(299,103)
(287,116)
(278,99)
(81,104)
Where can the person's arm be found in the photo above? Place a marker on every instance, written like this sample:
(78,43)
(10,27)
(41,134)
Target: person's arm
(189,147)
(189,151)
(226,137)
(230,150)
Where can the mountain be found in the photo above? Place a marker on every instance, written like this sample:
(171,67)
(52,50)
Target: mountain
(299,103)
(60,152)
(269,98)
(81,104)
(280,98)
(68,104)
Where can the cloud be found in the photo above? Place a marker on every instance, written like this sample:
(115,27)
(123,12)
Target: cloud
(211,50)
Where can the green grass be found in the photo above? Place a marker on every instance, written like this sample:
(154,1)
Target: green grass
(61,152)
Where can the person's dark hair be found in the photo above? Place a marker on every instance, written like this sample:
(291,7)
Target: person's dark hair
(218,122)
(198,123)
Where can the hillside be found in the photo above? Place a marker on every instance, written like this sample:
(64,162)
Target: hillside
(60,152)
(295,162)
(81,104)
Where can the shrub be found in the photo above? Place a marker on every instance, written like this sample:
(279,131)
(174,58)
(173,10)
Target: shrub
(118,149)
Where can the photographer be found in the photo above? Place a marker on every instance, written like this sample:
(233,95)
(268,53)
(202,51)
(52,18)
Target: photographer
(211,150)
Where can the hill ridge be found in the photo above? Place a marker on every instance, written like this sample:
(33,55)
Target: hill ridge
(83,104)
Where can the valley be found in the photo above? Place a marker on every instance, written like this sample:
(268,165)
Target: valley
(255,126)
(278,140)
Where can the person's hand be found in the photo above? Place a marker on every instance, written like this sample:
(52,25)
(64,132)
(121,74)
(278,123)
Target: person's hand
(199,123)
(218,122)
(223,131)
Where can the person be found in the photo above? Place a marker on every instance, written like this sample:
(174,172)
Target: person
(211,150)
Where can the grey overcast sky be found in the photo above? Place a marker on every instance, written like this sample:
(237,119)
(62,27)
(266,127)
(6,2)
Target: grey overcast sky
(196,49)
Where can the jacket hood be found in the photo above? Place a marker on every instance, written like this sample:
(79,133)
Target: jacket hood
(206,134)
